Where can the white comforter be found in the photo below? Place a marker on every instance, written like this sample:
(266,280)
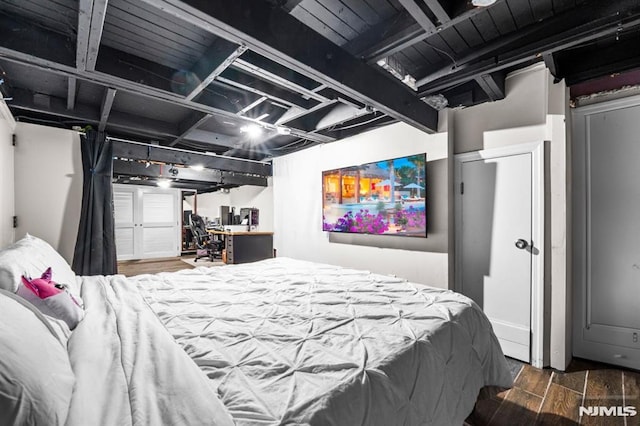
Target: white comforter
(292,342)
(129,371)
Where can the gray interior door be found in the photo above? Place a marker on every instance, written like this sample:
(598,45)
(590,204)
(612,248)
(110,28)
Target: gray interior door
(607,233)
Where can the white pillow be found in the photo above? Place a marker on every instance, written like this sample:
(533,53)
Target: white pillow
(36,380)
(29,257)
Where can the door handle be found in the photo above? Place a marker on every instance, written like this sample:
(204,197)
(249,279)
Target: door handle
(522,244)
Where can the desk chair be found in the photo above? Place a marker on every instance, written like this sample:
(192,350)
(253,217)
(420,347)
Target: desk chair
(206,246)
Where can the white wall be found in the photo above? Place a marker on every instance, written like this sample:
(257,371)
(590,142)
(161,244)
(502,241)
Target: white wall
(7,205)
(297,199)
(48,185)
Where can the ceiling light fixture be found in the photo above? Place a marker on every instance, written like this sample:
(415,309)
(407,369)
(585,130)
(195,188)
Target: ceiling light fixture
(252,130)
(163,183)
(482,3)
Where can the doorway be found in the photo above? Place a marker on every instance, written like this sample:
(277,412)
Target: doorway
(499,243)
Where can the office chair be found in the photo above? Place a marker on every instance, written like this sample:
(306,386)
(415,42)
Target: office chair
(206,246)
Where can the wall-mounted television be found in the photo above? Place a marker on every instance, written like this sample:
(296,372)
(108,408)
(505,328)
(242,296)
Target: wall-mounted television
(386,197)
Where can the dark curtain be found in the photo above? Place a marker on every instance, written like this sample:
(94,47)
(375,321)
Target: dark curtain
(95,252)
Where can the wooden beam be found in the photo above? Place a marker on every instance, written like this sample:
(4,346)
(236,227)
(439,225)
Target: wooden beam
(257,86)
(23,100)
(212,138)
(72,83)
(192,122)
(492,85)
(381,41)
(38,48)
(216,59)
(276,79)
(91,16)
(140,151)
(136,168)
(105,109)
(296,46)
(568,30)
(199,187)
(438,10)
(418,14)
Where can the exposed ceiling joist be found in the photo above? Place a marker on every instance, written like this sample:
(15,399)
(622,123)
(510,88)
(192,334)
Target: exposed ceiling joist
(200,187)
(192,122)
(275,93)
(215,60)
(383,36)
(590,23)
(438,10)
(212,138)
(139,151)
(418,14)
(585,63)
(23,100)
(275,79)
(91,16)
(391,42)
(492,85)
(217,177)
(249,22)
(72,83)
(289,5)
(81,113)
(49,51)
(105,109)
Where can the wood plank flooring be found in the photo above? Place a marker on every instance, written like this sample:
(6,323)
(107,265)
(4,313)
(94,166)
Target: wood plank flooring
(151,266)
(548,397)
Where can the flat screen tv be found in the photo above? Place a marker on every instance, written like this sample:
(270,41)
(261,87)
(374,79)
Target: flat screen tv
(384,198)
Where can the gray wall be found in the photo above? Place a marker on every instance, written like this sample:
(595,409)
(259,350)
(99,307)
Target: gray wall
(48,185)
(7,125)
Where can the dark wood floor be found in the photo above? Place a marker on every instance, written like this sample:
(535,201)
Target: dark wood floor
(151,266)
(548,397)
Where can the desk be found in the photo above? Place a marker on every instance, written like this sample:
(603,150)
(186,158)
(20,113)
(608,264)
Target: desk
(243,247)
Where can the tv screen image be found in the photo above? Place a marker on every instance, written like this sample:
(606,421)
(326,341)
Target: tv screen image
(384,198)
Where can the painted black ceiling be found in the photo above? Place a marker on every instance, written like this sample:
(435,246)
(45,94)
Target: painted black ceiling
(194,74)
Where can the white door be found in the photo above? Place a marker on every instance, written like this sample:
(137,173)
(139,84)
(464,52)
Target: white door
(498,238)
(607,233)
(159,224)
(146,222)
(124,206)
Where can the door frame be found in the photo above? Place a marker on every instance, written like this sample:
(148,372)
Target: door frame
(536,149)
(581,222)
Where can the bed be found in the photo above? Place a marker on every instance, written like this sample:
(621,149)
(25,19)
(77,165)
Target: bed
(279,341)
